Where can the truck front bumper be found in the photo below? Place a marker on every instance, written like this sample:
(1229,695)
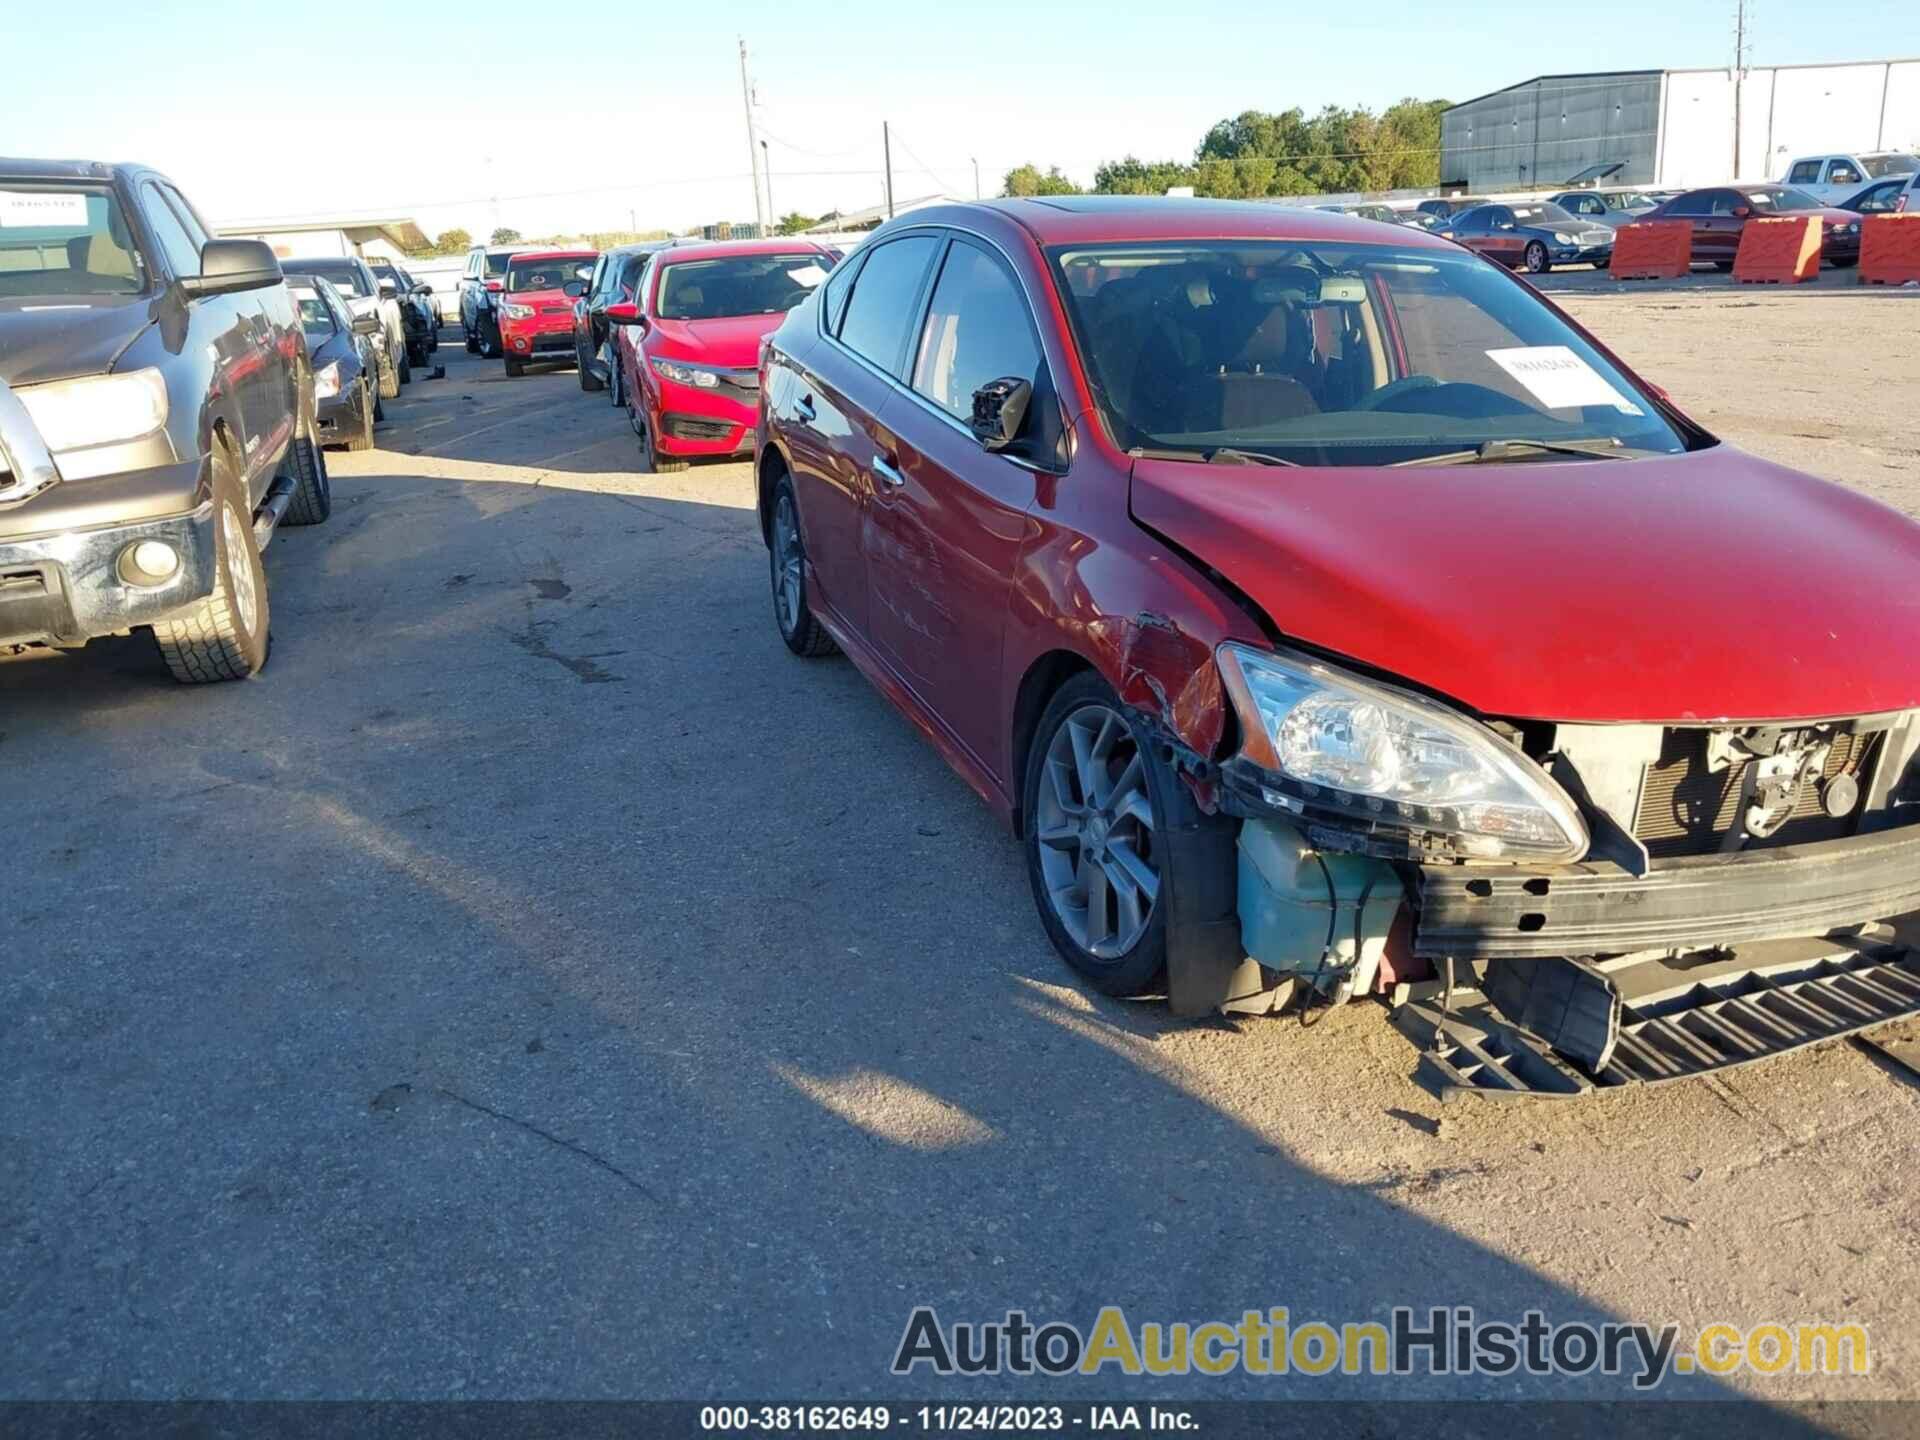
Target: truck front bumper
(69,586)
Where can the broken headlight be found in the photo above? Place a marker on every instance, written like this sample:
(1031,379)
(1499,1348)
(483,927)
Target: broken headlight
(1351,751)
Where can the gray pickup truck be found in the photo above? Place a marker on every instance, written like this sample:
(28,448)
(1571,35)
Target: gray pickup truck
(156,419)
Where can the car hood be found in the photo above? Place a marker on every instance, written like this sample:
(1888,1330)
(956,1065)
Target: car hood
(731,341)
(1683,589)
(53,337)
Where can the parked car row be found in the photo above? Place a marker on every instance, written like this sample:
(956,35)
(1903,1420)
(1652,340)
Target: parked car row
(158,418)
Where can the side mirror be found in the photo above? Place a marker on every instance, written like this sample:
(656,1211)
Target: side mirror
(1741,212)
(999,408)
(230,265)
(389,287)
(366,324)
(626,312)
(422,288)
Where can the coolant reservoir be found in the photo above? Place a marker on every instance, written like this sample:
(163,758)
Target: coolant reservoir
(1283,907)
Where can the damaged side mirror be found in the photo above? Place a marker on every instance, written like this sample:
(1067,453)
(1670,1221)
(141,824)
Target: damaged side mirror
(999,409)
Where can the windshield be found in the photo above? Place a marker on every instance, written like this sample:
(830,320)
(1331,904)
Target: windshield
(1880,166)
(497,261)
(739,285)
(347,278)
(315,316)
(553,273)
(66,240)
(1336,354)
(1548,214)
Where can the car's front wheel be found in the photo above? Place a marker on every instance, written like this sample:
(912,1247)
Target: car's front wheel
(1536,258)
(657,463)
(1094,838)
(788,560)
(362,438)
(589,381)
(226,635)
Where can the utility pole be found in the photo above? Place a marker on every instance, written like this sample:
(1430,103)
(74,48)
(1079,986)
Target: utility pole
(886,147)
(766,160)
(1739,73)
(753,142)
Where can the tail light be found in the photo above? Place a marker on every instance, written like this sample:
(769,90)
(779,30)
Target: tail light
(493,286)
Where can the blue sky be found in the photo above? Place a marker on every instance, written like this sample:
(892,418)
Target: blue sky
(584,116)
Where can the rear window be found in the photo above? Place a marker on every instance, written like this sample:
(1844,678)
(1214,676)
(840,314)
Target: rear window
(347,279)
(1878,166)
(1541,215)
(739,285)
(553,273)
(66,240)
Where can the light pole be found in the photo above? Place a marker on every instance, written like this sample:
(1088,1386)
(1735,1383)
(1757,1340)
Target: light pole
(766,164)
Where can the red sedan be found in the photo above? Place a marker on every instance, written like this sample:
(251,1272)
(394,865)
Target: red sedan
(692,385)
(1319,604)
(1719,215)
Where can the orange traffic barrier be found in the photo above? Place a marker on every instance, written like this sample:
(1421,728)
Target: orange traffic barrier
(1890,250)
(1778,252)
(1652,250)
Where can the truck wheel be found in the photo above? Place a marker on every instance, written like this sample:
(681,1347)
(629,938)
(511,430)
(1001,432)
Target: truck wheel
(490,346)
(389,378)
(225,636)
(1095,832)
(362,439)
(515,368)
(312,491)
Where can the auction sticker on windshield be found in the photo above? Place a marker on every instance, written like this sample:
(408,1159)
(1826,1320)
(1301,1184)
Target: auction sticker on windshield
(1560,379)
(26,207)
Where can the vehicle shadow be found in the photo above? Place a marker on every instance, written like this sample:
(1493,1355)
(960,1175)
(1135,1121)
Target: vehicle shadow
(541,983)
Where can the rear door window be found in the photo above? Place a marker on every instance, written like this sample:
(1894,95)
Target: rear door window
(1804,173)
(884,307)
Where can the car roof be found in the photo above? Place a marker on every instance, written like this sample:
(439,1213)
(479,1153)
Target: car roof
(1088,219)
(556,254)
(720,249)
(24,169)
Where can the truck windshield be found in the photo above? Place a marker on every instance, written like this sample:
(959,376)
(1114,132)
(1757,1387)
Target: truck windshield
(1343,355)
(58,240)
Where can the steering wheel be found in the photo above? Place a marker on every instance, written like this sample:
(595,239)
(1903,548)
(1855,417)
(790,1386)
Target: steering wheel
(1398,387)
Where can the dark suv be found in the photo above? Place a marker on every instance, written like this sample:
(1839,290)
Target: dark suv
(486,272)
(616,279)
(156,419)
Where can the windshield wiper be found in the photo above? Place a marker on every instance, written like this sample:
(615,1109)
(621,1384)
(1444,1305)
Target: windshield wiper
(1495,450)
(1227,455)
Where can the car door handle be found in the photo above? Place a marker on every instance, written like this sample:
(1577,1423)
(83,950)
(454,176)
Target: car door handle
(886,474)
(804,409)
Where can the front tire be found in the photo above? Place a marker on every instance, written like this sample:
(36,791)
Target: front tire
(657,463)
(589,382)
(515,368)
(1536,259)
(362,439)
(803,634)
(225,636)
(1096,790)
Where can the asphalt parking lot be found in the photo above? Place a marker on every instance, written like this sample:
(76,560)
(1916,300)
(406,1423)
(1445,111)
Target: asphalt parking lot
(539,983)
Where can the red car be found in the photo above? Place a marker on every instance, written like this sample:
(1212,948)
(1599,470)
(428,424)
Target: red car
(1321,607)
(536,304)
(1720,213)
(692,384)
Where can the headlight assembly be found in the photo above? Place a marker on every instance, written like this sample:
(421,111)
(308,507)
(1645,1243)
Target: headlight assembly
(326,381)
(517,312)
(1368,756)
(683,374)
(99,410)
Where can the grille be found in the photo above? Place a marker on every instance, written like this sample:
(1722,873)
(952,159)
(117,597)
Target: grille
(1687,809)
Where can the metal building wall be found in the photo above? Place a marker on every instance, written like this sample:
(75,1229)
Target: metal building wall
(1540,132)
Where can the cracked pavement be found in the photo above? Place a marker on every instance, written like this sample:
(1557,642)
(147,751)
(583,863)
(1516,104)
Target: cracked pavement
(539,983)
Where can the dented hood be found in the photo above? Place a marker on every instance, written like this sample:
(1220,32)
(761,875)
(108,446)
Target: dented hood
(1705,586)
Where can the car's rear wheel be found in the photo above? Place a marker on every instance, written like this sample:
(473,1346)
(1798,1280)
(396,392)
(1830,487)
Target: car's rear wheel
(1094,837)
(1536,259)
(656,462)
(788,560)
(312,489)
(226,635)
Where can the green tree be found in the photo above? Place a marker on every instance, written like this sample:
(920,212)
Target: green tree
(1028,180)
(1133,176)
(452,242)
(794,222)
(505,236)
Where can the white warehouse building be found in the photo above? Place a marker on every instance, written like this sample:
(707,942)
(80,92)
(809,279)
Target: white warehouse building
(1677,128)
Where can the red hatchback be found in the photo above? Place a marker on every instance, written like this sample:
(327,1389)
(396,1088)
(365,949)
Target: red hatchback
(692,385)
(536,306)
(1321,607)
